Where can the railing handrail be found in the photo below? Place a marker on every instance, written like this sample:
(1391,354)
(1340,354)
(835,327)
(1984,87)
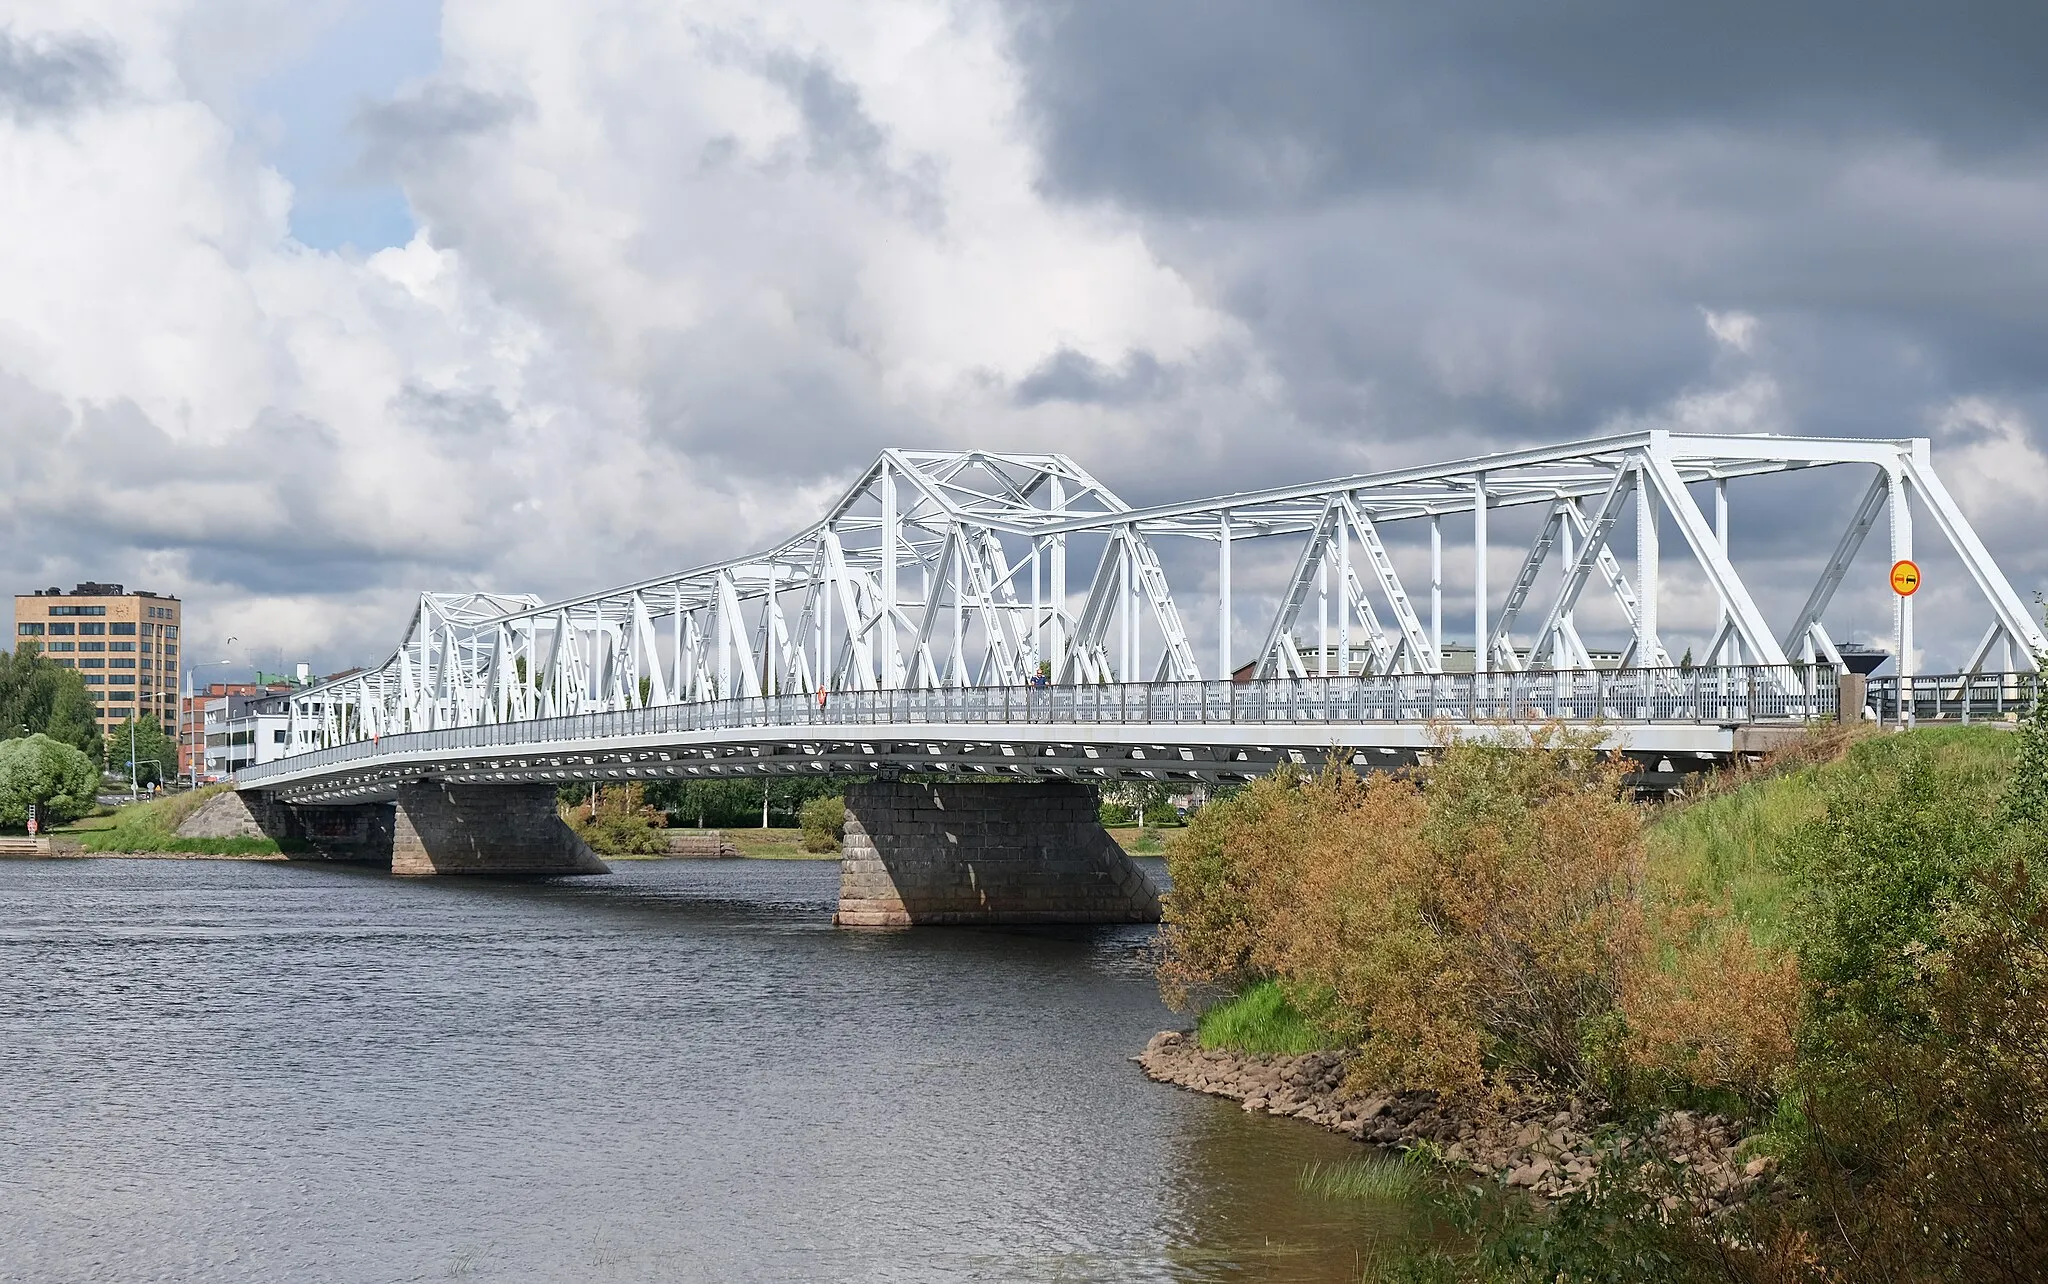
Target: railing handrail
(1722,695)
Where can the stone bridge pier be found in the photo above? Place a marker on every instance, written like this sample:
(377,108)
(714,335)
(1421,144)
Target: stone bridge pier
(984,853)
(431,828)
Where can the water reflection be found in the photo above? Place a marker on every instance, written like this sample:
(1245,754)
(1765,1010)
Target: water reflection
(220,1071)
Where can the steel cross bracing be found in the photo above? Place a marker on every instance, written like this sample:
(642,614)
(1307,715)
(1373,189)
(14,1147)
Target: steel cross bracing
(976,570)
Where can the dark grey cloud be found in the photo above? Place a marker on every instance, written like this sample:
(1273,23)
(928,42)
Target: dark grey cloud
(1454,227)
(1068,375)
(836,125)
(416,127)
(1206,107)
(40,79)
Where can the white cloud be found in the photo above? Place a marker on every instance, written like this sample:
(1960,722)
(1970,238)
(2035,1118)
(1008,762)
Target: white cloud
(1733,330)
(677,270)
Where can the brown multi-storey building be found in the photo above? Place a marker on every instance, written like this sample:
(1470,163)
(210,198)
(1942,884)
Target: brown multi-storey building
(125,645)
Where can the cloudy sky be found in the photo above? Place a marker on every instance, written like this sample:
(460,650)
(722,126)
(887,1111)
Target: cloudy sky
(307,305)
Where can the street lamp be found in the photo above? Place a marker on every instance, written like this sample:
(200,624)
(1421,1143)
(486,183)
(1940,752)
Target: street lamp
(184,711)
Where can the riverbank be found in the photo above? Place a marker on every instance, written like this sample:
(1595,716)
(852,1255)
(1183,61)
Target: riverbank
(1550,1152)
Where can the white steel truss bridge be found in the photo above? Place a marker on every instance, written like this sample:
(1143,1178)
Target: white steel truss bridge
(1007,613)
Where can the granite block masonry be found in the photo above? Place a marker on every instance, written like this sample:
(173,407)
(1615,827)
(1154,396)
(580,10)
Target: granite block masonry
(440,828)
(432,828)
(984,853)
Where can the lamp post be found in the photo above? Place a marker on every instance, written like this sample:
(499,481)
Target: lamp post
(184,707)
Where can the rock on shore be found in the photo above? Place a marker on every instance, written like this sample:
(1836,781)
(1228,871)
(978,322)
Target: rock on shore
(1549,1153)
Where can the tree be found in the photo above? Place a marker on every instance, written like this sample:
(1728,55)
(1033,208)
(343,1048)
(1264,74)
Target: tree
(156,754)
(59,780)
(40,696)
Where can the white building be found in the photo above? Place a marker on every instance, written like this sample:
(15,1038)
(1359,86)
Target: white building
(242,730)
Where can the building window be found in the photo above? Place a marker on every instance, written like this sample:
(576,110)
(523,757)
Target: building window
(120,646)
(96,679)
(78,610)
(121,662)
(122,628)
(92,629)
(278,737)
(65,629)
(29,630)
(63,646)
(93,663)
(170,630)
(170,655)
(92,646)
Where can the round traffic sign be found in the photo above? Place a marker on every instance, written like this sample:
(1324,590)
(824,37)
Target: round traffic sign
(1905,578)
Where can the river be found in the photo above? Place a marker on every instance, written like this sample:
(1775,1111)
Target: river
(213,1070)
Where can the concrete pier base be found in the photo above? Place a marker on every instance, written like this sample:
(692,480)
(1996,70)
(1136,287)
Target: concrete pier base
(485,829)
(984,853)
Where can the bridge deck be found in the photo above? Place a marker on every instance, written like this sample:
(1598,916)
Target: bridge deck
(1186,730)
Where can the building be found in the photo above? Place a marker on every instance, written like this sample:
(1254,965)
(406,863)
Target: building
(192,722)
(245,729)
(125,645)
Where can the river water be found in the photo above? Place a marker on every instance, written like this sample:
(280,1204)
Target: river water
(235,1071)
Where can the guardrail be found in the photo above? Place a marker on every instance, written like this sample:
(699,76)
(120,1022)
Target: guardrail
(1723,696)
(1953,697)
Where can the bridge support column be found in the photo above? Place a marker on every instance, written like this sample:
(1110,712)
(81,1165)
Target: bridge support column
(984,853)
(484,829)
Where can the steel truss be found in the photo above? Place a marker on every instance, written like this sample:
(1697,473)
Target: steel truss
(950,570)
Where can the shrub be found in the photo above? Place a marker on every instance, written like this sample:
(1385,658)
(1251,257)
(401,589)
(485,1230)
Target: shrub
(824,822)
(1116,815)
(1160,814)
(1471,920)
(618,822)
(1926,1127)
(1712,1010)
(62,781)
(1902,836)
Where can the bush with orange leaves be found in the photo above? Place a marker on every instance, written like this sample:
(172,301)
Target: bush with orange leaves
(1461,925)
(1709,1008)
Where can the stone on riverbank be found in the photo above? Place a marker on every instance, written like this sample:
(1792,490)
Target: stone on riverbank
(1551,1152)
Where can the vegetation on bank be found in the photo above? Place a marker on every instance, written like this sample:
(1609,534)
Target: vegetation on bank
(153,827)
(616,820)
(60,782)
(40,696)
(1847,950)
(1260,1020)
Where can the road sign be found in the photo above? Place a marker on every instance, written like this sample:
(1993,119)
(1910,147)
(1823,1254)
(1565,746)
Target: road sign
(1905,578)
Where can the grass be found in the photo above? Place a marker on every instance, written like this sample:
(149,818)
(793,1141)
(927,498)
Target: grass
(153,826)
(1371,1178)
(1260,1020)
(1136,840)
(1725,847)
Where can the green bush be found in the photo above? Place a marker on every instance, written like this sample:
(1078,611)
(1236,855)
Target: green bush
(1160,814)
(1905,832)
(824,822)
(60,780)
(618,822)
(1116,815)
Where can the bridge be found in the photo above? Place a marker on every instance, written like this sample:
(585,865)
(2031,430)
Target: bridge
(928,623)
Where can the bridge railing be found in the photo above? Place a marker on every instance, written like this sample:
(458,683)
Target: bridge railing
(1722,695)
(1977,697)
